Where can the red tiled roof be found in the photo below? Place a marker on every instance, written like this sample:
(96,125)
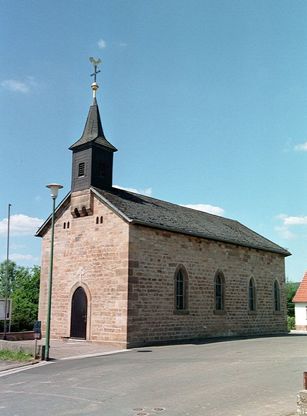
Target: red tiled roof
(301,293)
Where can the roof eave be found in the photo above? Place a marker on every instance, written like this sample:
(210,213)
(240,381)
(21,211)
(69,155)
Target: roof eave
(41,231)
(84,144)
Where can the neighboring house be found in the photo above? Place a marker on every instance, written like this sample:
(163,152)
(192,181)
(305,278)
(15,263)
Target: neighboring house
(134,270)
(300,301)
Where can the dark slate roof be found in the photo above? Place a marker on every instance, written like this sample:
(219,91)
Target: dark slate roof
(155,213)
(93,131)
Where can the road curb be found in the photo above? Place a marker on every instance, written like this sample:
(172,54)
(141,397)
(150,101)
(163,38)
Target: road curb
(18,365)
(96,354)
(17,369)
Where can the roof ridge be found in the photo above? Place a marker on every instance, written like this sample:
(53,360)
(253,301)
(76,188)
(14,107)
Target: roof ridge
(173,203)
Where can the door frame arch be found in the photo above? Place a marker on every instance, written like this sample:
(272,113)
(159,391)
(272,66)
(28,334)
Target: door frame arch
(89,303)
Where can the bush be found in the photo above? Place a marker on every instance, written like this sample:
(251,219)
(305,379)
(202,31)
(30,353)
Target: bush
(291,322)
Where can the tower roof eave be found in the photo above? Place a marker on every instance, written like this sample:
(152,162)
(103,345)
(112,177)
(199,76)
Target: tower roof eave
(102,141)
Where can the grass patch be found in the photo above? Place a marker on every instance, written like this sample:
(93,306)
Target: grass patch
(8,355)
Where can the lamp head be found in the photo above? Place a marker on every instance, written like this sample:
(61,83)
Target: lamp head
(54,189)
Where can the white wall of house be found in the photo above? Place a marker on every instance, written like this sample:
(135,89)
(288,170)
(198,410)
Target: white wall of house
(301,315)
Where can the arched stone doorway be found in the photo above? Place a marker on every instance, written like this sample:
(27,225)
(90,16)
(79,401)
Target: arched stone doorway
(78,314)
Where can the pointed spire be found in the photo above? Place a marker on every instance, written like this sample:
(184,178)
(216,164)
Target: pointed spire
(93,127)
(93,131)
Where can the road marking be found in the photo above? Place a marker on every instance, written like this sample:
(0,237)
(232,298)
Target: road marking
(45,394)
(24,368)
(17,384)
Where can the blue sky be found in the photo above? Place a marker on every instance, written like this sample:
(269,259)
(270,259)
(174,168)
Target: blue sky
(205,100)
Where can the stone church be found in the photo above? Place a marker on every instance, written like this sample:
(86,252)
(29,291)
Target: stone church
(133,270)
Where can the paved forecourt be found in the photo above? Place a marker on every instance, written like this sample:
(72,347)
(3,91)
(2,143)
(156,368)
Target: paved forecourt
(60,350)
(247,377)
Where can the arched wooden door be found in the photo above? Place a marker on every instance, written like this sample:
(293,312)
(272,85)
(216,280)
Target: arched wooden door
(78,314)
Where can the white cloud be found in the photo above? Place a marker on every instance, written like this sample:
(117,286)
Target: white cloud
(17,246)
(20,225)
(302,147)
(15,85)
(146,191)
(23,257)
(285,233)
(211,209)
(288,221)
(293,220)
(102,44)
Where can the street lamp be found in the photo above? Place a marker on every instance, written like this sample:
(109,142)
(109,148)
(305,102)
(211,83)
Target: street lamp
(54,189)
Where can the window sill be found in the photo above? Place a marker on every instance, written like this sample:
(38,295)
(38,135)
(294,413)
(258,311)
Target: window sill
(181,312)
(219,312)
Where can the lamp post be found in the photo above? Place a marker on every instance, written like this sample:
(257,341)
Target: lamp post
(54,189)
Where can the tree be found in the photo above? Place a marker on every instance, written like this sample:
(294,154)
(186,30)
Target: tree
(7,276)
(23,289)
(291,288)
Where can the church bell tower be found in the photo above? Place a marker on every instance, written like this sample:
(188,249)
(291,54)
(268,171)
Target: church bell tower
(92,154)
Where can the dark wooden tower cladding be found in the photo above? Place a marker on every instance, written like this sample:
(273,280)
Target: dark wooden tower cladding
(92,158)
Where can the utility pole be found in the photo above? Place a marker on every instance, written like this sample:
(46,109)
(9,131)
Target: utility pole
(7,285)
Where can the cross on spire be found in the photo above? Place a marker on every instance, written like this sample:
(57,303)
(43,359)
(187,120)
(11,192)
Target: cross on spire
(94,85)
(95,62)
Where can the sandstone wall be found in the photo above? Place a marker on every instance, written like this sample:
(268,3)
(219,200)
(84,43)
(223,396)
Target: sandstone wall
(94,256)
(154,257)
(100,257)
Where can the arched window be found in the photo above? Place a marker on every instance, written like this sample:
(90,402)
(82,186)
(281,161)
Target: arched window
(276,296)
(181,290)
(251,295)
(219,289)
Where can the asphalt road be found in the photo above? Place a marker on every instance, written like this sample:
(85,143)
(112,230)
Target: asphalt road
(254,377)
